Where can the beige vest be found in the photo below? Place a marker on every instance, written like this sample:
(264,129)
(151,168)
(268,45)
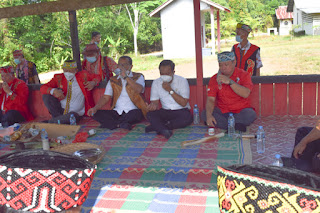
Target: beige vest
(137,99)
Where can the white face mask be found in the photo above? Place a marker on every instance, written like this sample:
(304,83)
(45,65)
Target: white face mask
(238,38)
(69,75)
(166,78)
(92,59)
(117,71)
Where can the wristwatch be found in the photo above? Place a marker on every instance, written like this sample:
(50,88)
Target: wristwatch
(231,82)
(171,92)
(10,93)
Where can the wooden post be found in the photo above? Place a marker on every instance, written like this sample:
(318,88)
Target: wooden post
(74,37)
(198,48)
(218,29)
(213,37)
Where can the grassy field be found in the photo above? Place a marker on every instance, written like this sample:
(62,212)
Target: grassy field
(280,55)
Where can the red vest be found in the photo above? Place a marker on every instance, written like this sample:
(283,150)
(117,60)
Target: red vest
(248,61)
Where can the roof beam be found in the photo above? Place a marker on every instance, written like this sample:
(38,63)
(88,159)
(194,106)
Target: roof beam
(57,6)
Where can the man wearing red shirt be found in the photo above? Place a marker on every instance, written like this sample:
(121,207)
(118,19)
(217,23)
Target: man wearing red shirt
(14,95)
(69,93)
(228,91)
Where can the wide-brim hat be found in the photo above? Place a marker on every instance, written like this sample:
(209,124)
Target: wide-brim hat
(17,53)
(90,49)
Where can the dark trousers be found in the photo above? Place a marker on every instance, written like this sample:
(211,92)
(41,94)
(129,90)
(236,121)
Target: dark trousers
(163,119)
(54,107)
(11,117)
(311,149)
(110,119)
(245,117)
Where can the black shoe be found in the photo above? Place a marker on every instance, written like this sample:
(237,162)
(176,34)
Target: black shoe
(241,127)
(166,133)
(125,126)
(148,129)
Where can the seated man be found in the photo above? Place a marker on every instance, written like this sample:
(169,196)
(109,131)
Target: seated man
(228,91)
(25,70)
(173,92)
(68,93)
(14,95)
(128,106)
(307,148)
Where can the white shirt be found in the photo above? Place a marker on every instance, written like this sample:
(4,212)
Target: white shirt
(246,48)
(124,102)
(179,85)
(77,102)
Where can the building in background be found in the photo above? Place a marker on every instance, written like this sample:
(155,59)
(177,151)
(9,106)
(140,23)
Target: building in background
(306,16)
(285,20)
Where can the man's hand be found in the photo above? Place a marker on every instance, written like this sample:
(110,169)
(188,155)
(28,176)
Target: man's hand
(211,121)
(152,106)
(91,111)
(166,86)
(58,94)
(89,85)
(298,149)
(222,79)
(6,87)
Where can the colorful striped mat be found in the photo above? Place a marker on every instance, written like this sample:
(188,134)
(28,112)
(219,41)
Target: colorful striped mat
(148,173)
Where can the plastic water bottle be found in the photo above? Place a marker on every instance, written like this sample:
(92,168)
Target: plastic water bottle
(73,120)
(45,140)
(231,123)
(196,115)
(278,161)
(261,140)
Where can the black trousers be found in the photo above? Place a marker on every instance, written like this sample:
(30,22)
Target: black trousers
(11,117)
(163,119)
(111,119)
(54,107)
(312,148)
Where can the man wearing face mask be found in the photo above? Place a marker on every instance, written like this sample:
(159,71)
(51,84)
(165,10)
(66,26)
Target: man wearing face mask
(25,70)
(95,38)
(14,95)
(228,91)
(68,93)
(128,105)
(94,63)
(173,92)
(247,54)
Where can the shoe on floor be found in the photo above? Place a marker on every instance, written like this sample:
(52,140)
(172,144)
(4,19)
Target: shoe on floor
(166,133)
(148,129)
(125,126)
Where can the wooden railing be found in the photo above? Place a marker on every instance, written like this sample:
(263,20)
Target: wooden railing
(271,95)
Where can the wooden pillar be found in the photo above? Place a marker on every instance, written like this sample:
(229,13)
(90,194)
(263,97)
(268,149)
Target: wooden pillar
(74,37)
(218,29)
(198,48)
(213,37)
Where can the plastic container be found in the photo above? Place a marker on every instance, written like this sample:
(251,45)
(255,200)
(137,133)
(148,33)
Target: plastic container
(45,140)
(261,140)
(196,115)
(73,120)
(278,161)
(231,124)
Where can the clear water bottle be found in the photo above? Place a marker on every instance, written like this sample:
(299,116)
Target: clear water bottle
(231,123)
(196,115)
(45,140)
(278,161)
(73,120)
(261,140)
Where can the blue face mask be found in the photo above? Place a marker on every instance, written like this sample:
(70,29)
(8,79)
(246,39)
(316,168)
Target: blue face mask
(17,61)
(238,38)
(117,71)
(96,42)
(91,59)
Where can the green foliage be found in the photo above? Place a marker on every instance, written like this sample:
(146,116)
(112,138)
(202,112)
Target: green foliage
(45,39)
